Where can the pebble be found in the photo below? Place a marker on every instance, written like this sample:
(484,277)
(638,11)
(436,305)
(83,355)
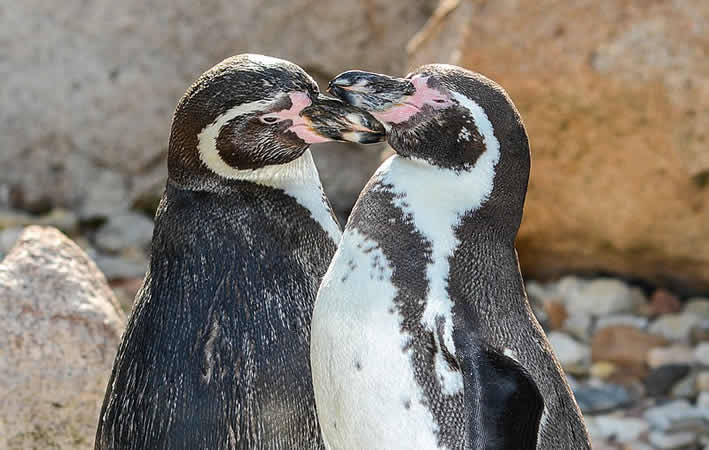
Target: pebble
(578,325)
(663,301)
(602,369)
(686,387)
(573,355)
(677,415)
(703,400)
(701,354)
(675,354)
(622,319)
(601,397)
(671,441)
(623,345)
(121,268)
(703,381)
(661,379)
(555,314)
(64,220)
(698,306)
(601,297)
(675,327)
(616,428)
(124,231)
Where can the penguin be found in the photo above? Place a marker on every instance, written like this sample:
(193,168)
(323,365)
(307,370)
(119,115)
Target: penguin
(422,335)
(216,350)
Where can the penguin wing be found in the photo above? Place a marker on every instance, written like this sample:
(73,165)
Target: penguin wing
(503,406)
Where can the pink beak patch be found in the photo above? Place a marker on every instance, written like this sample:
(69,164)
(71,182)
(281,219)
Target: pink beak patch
(300,127)
(424,95)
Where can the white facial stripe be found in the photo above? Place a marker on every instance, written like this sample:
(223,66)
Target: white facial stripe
(357,354)
(298,178)
(435,199)
(207,139)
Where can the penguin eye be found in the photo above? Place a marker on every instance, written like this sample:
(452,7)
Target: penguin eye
(439,100)
(269,119)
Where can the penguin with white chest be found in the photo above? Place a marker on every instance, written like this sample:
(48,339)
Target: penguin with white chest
(422,336)
(215,354)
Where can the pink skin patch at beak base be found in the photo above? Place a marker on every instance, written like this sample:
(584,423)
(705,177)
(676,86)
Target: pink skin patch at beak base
(424,95)
(300,101)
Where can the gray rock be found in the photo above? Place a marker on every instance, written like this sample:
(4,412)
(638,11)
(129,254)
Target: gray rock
(698,306)
(125,231)
(578,324)
(574,356)
(686,387)
(622,319)
(661,379)
(601,297)
(672,441)
(8,237)
(76,103)
(617,428)
(676,327)
(59,331)
(701,354)
(121,267)
(601,397)
(675,354)
(678,415)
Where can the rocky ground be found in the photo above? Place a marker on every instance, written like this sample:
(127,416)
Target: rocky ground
(637,360)
(636,357)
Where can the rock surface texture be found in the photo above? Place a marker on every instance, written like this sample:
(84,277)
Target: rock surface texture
(616,103)
(59,329)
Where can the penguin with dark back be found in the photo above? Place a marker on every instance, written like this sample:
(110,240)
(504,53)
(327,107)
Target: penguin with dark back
(215,354)
(422,335)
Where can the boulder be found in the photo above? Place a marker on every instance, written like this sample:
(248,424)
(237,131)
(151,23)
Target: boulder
(59,330)
(90,88)
(616,104)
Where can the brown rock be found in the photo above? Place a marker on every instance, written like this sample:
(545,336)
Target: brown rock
(556,314)
(624,346)
(664,302)
(617,109)
(59,331)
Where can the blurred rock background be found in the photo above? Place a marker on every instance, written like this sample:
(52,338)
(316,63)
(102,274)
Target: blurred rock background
(615,97)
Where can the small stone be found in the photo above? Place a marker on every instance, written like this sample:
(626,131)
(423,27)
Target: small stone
(600,398)
(698,306)
(66,221)
(622,319)
(121,268)
(616,428)
(623,345)
(664,302)
(574,356)
(601,297)
(569,286)
(675,327)
(578,325)
(703,400)
(678,415)
(537,292)
(701,354)
(703,381)
(661,379)
(671,441)
(556,314)
(8,237)
(685,388)
(602,369)
(125,231)
(676,354)
(636,445)
(700,333)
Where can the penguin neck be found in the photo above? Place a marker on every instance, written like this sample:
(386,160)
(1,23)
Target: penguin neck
(298,178)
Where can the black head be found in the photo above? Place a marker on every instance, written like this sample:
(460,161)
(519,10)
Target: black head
(251,111)
(450,117)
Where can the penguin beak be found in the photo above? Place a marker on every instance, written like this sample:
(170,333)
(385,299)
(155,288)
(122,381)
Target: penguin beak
(389,99)
(328,119)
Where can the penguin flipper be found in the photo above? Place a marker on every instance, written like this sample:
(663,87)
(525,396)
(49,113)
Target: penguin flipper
(503,406)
